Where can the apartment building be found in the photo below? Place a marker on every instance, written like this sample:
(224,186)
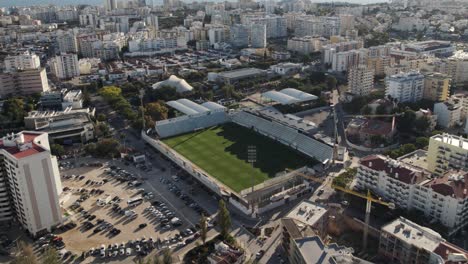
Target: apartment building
(258,36)
(403,241)
(436,87)
(360,80)
(302,232)
(275,25)
(218,34)
(446,152)
(405,87)
(343,61)
(443,199)
(24,82)
(67,43)
(306,45)
(456,67)
(65,66)
(346,23)
(448,113)
(379,64)
(317,26)
(29,182)
(330,50)
(240,35)
(24,61)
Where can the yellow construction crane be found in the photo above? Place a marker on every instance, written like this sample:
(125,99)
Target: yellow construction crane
(368,197)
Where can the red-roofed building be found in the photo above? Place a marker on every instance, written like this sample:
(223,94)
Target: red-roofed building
(444,199)
(30,178)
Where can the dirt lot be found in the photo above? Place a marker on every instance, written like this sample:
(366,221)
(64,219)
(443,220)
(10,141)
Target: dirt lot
(78,240)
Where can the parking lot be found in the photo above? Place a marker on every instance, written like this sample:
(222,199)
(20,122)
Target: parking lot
(114,212)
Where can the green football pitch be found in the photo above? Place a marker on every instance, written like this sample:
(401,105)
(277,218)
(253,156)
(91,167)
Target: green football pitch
(222,152)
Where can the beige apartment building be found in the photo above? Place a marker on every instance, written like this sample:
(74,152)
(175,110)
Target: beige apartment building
(437,87)
(24,82)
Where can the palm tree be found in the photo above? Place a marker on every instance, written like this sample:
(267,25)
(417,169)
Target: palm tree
(51,256)
(25,254)
(167,257)
(203,229)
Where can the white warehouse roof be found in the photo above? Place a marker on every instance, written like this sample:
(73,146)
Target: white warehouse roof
(289,96)
(180,84)
(190,108)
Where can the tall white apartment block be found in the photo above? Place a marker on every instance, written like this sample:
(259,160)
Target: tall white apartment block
(258,36)
(240,36)
(29,182)
(443,199)
(23,61)
(89,20)
(343,61)
(65,66)
(446,152)
(218,34)
(276,26)
(67,43)
(405,87)
(360,80)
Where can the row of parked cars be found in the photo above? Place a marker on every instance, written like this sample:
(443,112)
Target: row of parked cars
(187,199)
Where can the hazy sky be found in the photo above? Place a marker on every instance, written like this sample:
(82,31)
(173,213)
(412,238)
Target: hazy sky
(6,3)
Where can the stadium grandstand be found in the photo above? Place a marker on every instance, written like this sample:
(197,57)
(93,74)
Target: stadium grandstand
(289,96)
(196,117)
(285,135)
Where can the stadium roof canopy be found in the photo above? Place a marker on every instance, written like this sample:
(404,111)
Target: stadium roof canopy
(180,84)
(289,96)
(190,108)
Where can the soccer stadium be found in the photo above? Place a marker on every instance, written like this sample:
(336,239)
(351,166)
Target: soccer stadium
(211,143)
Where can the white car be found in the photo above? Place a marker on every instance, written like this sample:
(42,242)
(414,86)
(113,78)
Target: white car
(138,248)
(115,253)
(122,251)
(103,253)
(128,251)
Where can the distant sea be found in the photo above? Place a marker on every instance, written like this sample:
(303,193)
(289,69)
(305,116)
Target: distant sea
(8,3)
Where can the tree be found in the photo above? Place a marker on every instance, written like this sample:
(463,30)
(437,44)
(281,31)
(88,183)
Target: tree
(156,110)
(167,256)
(51,256)
(331,82)
(381,110)
(422,142)
(25,254)
(57,150)
(101,117)
(422,124)
(228,90)
(110,93)
(407,148)
(366,110)
(102,129)
(203,229)
(224,219)
(406,122)
(377,140)
(13,108)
